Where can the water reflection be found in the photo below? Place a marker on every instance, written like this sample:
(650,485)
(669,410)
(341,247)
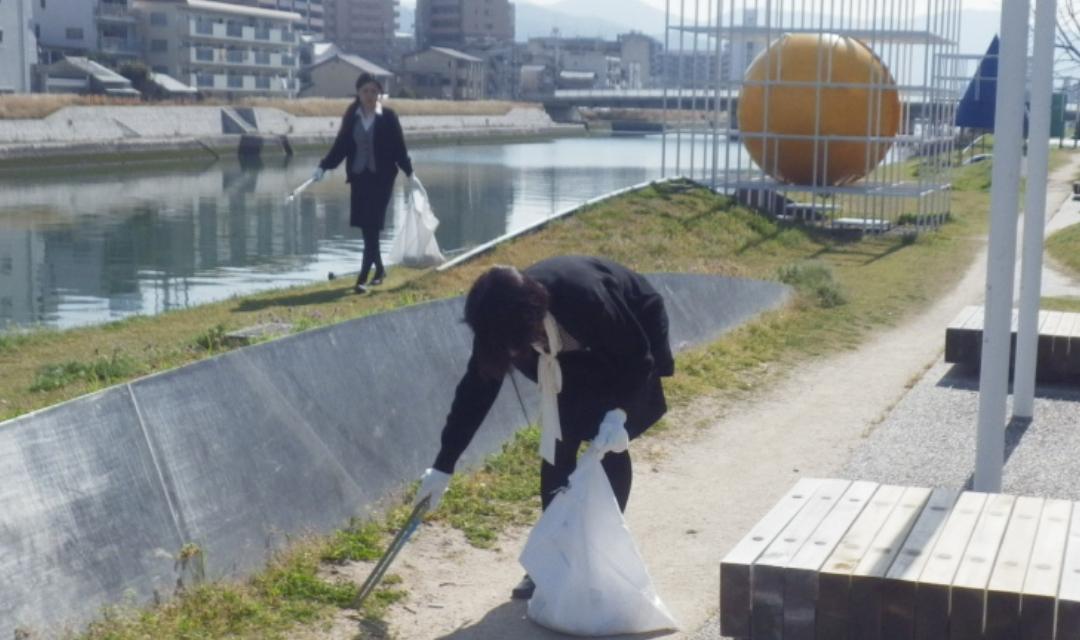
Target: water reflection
(84,247)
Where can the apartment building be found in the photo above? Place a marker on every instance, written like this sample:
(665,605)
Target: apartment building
(463,24)
(81,27)
(312,20)
(18,46)
(363,27)
(222,49)
(641,59)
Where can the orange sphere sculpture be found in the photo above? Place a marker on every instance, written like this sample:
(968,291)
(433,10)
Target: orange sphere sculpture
(814,110)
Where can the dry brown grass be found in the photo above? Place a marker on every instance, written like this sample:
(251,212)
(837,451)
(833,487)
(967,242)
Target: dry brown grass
(29,106)
(308,107)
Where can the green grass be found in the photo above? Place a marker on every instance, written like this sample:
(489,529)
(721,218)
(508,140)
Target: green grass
(1064,248)
(847,289)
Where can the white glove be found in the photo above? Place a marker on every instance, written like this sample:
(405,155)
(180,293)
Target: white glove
(409,186)
(433,483)
(318,174)
(612,436)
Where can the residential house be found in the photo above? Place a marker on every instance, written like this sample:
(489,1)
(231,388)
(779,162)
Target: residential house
(448,74)
(335,77)
(81,75)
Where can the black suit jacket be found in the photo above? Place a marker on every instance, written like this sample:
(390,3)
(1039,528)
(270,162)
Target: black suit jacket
(390,150)
(622,324)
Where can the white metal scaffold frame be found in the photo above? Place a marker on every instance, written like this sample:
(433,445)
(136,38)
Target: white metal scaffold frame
(915,39)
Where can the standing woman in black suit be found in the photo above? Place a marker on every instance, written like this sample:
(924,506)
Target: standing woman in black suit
(372,145)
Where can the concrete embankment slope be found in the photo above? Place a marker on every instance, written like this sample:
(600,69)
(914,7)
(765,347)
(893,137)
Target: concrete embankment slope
(86,131)
(238,452)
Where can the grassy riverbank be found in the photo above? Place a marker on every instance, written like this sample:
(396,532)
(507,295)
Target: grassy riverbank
(849,289)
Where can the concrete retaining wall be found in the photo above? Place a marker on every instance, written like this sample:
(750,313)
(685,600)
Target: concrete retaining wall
(237,452)
(120,129)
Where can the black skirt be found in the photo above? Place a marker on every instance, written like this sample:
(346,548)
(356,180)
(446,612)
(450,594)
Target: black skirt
(368,201)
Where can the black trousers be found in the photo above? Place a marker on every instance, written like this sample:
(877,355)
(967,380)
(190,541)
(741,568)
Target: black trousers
(617,467)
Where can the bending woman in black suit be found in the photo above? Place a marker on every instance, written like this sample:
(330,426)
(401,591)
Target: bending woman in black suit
(372,144)
(597,323)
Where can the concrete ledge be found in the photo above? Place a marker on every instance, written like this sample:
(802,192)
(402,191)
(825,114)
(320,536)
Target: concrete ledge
(81,131)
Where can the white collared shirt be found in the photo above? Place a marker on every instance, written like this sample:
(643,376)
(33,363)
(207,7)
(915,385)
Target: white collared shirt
(366,120)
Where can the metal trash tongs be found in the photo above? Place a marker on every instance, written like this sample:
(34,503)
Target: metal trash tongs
(297,191)
(391,552)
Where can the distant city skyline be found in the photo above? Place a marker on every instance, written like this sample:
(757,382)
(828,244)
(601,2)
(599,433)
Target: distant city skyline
(967,5)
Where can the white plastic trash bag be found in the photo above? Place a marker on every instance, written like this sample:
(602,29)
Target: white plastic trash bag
(415,245)
(590,578)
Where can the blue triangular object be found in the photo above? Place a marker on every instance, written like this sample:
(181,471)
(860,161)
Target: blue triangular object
(976,108)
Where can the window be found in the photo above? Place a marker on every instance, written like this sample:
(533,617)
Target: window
(159,46)
(159,18)
(74,33)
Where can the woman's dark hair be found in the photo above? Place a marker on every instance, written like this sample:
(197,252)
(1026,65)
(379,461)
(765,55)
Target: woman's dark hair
(365,78)
(505,311)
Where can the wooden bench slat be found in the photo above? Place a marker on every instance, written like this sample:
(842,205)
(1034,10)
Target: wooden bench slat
(965,315)
(843,560)
(1007,579)
(737,566)
(767,582)
(834,592)
(968,598)
(868,578)
(801,575)
(898,591)
(1074,332)
(935,581)
(1068,622)
(1038,602)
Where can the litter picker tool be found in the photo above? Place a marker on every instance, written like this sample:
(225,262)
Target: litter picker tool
(297,191)
(395,546)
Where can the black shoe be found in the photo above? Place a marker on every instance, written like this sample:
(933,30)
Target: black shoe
(524,589)
(378,279)
(359,288)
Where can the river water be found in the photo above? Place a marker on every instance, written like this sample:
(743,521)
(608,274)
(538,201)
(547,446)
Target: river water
(96,245)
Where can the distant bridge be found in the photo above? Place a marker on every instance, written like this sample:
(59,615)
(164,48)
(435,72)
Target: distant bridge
(702,99)
(635,98)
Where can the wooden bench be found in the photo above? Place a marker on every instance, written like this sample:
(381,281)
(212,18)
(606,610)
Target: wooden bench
(1058,346)
(844,560)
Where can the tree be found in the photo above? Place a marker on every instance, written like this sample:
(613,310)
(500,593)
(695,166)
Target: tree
(142,79)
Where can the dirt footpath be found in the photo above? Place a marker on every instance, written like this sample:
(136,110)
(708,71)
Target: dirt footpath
(696,494)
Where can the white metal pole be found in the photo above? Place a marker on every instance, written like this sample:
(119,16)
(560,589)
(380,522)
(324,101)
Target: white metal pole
(1042,88)
(1001,259)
